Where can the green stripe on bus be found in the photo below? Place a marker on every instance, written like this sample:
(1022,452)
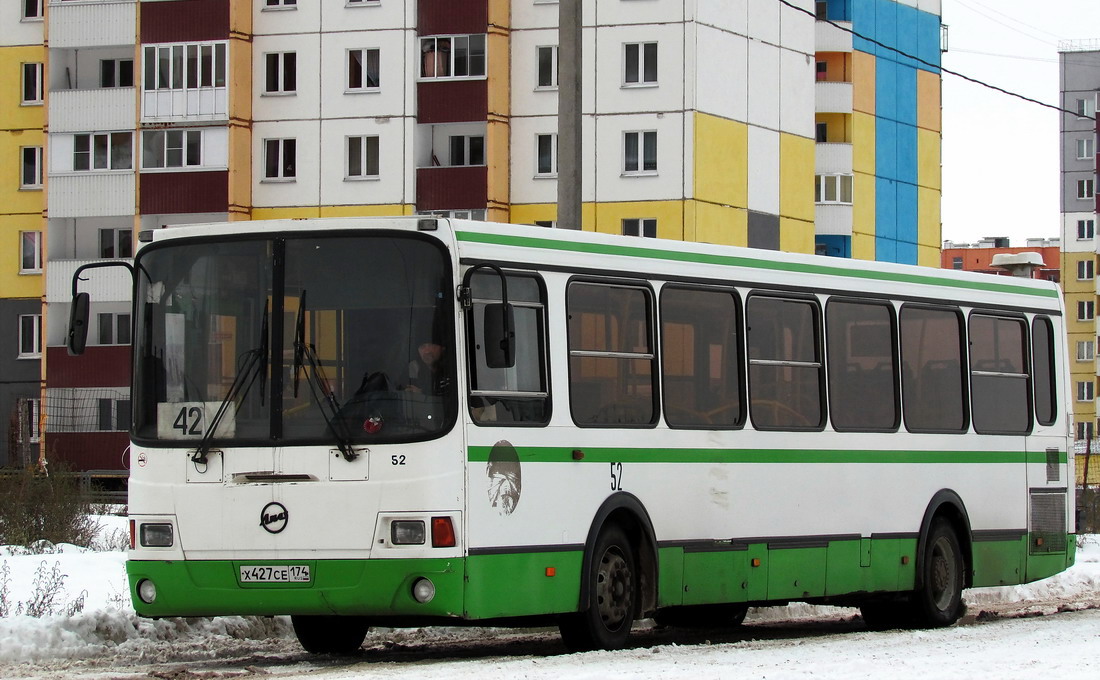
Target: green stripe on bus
(741,261)
(557,454)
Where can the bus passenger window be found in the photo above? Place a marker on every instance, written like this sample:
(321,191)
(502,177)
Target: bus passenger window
(785,368)
(611,372)
(700,362)
(516,395)
(998,375)
(932,379)
(863,383)
(1042,363)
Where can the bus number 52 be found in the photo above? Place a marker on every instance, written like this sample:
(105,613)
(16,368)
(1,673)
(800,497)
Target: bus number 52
(616,476)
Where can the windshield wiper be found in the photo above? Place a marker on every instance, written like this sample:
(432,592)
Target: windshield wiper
(305,357)
(253,365)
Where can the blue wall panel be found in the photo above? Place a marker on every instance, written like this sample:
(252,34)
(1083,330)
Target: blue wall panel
(907,212)
(886,250)
(886,88)
(908,35)
(906,83)
(886,147)
(886,208)
(839,10)
(834,245)
(906,168)
(886,27)
(928,38)
(906,252)
(863,22)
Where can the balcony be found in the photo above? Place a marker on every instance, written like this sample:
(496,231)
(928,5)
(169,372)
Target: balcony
(829,38)
(92,194)
(185,105)
(832,97)
(109,108)
(105,284)
(92,23)
(833,219)
(833,159)
(452,188)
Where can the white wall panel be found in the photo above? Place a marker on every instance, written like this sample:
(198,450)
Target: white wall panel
(641,11)
(1070,242)
(833,220)
(832,158)
(92,24)
(613,185)
(763,90)
(525,186)
(796,85)
(933,6)
(829,38)
(763,170)
(305,102)
(613,95)
(304,189)
(387,15)
(797,29)
(527,98)
(337,188)
(304,17)
(89,194)
(394,74)
(726,16)
(534,14)
(722,76)
(18,31)
(763,21)
(110,108)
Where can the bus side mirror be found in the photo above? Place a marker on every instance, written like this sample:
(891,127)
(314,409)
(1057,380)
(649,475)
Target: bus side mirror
(78,324)
(500,335)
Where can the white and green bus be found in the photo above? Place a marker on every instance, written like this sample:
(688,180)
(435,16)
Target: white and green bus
(411,421)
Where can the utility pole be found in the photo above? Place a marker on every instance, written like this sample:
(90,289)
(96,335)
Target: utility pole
(569,114)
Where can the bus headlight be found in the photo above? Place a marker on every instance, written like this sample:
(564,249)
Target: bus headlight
(407,532)
(423,590)
(147,591)
(156,535)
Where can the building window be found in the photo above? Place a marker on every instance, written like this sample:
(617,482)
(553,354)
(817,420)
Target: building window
(640,64)
(30,252)
(1086,229)
(30,413)
(1085,270)
(1085,149)
(116,243)
(1083,430)
(191,66)
(548,67)
(279,159)
(1085,350)
(546,155)
(362,3)
(103,151)
(116,72)
(282,73)
(363,68)
(30,336)
(467,150)
(362,157)
(1085,188)
(547,224)
(114,414)
(114,329)
(1085,390)
(833,189)
(821,9)
(956,263)
(32,84)
(32,9)
(822,132)
(640,152)
(1086,108)
(171,149)
(281,4)
(646,227)
(821,70)
(478,214)
(454,56)
(1085,310)
(30,175)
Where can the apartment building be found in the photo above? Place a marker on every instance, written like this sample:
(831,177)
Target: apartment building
(698,122)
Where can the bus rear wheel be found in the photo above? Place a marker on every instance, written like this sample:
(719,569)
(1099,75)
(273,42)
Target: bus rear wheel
(610,598)
(330,634)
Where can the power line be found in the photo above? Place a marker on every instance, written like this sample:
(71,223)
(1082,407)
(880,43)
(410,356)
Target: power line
(995,20)
(929,64)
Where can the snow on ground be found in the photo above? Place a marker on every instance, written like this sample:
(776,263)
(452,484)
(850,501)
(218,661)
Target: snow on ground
(108,627)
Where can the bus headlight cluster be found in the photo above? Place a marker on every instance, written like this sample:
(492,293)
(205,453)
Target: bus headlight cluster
(407,532)
(156,535)
(423,590)
(147,591)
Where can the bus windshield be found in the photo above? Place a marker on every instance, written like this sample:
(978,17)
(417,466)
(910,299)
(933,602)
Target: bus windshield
(296,340)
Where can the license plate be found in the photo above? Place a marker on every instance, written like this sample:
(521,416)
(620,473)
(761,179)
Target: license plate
(286,573)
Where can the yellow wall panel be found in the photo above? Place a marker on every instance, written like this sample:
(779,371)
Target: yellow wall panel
(529,213)
(863,246)
(929,164)
(285,213)
(721,160)
(928,256)
(863,82)
(13,200)
(670,216)
(12,283)
(720,224)
(863,203)
(929,228)
(796,236)
(366,210)
(796,177)
(863,143)
(929,111)
(13,114)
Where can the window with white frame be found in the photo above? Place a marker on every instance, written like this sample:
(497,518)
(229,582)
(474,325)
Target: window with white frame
(281,76)
(32,84)
(30,252)
(1086,229)
(467,150)
(1085,270)
(646,227)
(548,67)
(1085,390)
(833,189)
(1085,188)
(1085,149)
(185,66)
(114,329)
(116,243)
(1086,310)
(30,172)
(114,415)
(1082,430)
(1086,108)
(280,4)
(103,151)
(452,56)
(639,64)
(640,152)
(1085,350)
(30,336)
(32,9)
(362,157)
(546,155)
(116,72)
(279,159)
(363,67)
(171,149)
(956,262)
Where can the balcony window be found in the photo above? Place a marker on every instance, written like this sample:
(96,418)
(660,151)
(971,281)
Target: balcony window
(467,150)
(103,151)
(116,72)
(456,56)
(185,66)
(833,189)
(171,149)
(116,243)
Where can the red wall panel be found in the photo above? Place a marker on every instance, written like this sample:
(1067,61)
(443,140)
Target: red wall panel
(184,21)
(97,367)
(184,192)
(460,101)
(83,451)
(457,17)
(461,188)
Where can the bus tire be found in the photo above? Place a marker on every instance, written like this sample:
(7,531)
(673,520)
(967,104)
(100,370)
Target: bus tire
(938,602)
(611,600)
(341,635)
(703,616)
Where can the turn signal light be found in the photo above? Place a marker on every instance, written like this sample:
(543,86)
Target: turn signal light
(443,533)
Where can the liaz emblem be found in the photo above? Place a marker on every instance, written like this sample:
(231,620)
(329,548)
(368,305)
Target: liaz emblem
(273,517)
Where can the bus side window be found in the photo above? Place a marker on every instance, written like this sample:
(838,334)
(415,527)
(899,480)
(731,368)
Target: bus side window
(863,382)
(516,395)
(786,374)
(998,375)
(933,384)
(1042,367)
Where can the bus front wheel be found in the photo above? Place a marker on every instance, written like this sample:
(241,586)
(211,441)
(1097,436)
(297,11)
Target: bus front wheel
(330,634)
(610,598)
(938,602)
